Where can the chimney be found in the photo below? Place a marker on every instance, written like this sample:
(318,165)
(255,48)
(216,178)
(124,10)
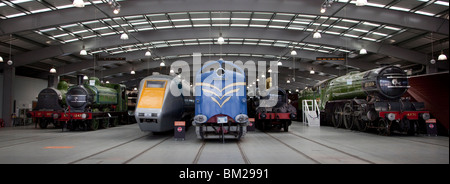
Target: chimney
(80,79)
(51,81)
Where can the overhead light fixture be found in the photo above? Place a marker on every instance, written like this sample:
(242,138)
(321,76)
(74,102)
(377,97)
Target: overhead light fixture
(78,3)
(135,89)
(270,70)
(288,81)
(162,63)
(124,36)
(116,10)
(53,70)
(148,53)
(279,63)
(293,53)
(433,61)
(9,62)
(171,71)
(363,51)
(296,90)
(442,57)
(1,59)
(83,51)
(107,82)
(323,10)
(263,76)
(132,72)
(361,2)
(317,35)
(85,77)
(312,71)
(220,40)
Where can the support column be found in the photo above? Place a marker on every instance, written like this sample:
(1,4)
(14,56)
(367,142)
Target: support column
(9,73)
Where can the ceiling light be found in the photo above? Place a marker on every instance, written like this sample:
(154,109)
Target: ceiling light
(1,59)
(116,10)
(296,90)
(132,72)
(270,70)
(124,36)
(361,2)
(442,56)
(83,51)
(312,71)
(263,76)
(288,81)
(78,3)
(9,62)
(317,35)
(162,63)
(220,40)
(135,89)
(107,82)
(363,51)
(85,77)
(323,10)
(53,70)
(279,63)
(432,61)
(148,53)
(293,53)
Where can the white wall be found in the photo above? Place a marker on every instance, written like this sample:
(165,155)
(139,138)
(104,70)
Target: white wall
(26,90)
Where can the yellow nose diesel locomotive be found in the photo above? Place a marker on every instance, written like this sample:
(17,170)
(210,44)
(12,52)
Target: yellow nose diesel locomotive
(161,102)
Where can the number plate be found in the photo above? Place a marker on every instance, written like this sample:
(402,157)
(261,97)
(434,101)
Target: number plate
(222,119)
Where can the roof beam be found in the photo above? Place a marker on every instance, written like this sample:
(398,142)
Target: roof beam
(258,33)
(366,13)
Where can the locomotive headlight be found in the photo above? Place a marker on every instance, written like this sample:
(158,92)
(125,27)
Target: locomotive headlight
(55,116)
(394,82)
(426,116)
(293,116)
(200,118)
(84,115)
(390,116)
(241,118)
(262,116)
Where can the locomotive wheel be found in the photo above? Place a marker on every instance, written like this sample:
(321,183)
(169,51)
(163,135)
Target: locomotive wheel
(43,123)
(384,127)
(286,126)
(360,125)
(104,123)
(412,127)
(347,116)
(93,124)
(241,131)
(114,122)
(337,116)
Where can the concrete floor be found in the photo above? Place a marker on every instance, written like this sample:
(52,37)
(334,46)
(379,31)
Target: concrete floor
(301,145)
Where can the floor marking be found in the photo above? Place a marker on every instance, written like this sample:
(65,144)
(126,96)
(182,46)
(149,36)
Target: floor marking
(58,147)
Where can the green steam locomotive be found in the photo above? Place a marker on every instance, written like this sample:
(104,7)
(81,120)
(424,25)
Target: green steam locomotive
(368,100)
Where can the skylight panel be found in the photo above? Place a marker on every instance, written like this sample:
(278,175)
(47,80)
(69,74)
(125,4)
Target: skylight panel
(425,13)
(399,8)
(443,3)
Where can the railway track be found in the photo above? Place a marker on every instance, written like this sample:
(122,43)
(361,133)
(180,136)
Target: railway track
(200,151)
(318,143)
(119,145)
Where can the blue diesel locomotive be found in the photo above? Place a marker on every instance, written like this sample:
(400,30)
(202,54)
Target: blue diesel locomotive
(220,102)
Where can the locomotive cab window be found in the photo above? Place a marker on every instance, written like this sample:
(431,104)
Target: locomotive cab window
(156,84)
